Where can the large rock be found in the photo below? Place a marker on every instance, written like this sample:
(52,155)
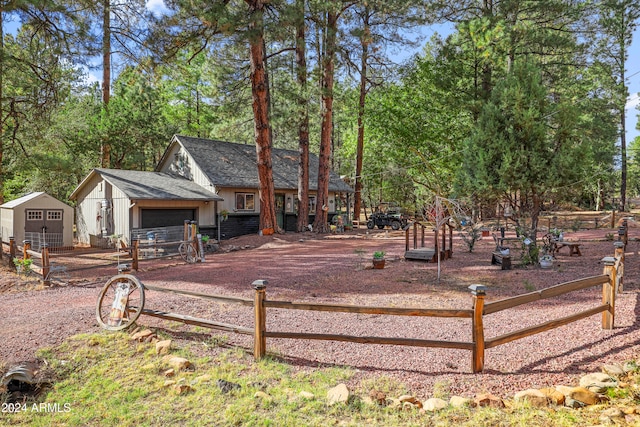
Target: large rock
(178,363)
(577,397)
(434,404)
(616,371)
(459,401)
(598,382)
(147,334)
(553,395)
(532,396)
(163,347)
(407,398)
(487,399)
(338,394)
(612,416)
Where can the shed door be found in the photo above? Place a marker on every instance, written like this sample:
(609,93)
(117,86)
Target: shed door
(165,217)
(49,219)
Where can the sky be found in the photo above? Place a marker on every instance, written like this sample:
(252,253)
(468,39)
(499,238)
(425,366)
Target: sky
(633,67)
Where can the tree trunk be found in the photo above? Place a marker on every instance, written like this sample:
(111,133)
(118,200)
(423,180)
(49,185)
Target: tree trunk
(623,164)
(105,149)
(322,199)
(357,202)
(303,124)
(260,93)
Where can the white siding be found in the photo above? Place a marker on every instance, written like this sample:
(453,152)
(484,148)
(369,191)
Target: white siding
(88,209)
(6,221)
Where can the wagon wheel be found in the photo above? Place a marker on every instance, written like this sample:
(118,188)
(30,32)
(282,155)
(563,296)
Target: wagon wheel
(188,252)
(120,302)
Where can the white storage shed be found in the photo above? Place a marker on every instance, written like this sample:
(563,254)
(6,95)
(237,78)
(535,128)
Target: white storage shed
(37,217)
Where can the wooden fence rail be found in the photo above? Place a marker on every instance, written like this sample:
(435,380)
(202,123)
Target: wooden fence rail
(610,280)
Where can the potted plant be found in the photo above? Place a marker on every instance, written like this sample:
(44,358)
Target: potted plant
(546,261)
(378,260)
(548,248)
(23,266)
(224,214)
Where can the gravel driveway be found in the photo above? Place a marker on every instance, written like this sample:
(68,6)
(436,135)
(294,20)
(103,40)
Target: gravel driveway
(305,267)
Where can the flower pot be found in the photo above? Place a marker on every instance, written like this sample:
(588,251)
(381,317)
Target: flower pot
(485,233)
(378,263)
(546,263)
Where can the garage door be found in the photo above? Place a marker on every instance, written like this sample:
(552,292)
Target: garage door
(165,217)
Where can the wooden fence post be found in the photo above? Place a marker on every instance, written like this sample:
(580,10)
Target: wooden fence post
(185,231)
(608,292)
(46,265)
(406,239)
(613,218)
(619,255)
(26,247)
(134,254)
(12,249)
(478,292)
(259,339)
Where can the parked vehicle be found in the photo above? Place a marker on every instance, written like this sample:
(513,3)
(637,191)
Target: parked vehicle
(391,217)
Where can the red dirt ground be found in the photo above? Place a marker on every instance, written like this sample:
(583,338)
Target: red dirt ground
(312,268)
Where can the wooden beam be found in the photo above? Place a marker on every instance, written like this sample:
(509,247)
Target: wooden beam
(397,311)
(372,340)
(553,291)
(197,321)
(522,333)
(231,300)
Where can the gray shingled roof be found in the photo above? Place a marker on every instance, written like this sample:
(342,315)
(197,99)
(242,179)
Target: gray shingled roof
(143,185)
(229,164)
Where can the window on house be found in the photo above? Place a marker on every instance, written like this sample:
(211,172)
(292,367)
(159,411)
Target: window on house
(54,215)
(312,205)
(245,202)
(34,215)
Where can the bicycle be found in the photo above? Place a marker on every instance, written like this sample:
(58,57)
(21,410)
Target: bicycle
(120,301)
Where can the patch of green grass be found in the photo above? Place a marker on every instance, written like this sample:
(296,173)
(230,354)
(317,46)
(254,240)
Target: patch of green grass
(106,379)
(528,286)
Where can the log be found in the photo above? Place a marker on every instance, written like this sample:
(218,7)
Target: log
(397,311)
(553,291)
(372,340)
(231,300)
(197,321)
(522,333)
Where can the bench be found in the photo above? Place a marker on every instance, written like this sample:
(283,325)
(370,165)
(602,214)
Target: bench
(574,248)
(502,259)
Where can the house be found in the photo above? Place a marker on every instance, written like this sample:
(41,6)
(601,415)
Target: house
(121,202)
(212,182)
(39,218)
